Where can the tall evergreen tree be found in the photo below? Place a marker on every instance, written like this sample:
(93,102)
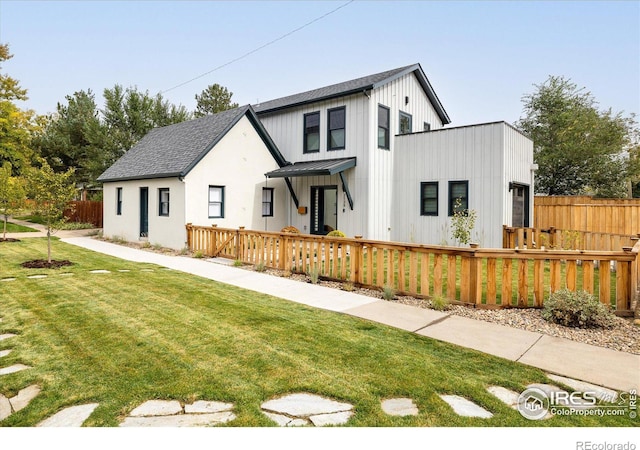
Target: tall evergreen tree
(213,99)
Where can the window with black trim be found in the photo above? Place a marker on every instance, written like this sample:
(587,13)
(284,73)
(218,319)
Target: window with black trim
(163,201)
(311,132)
(426,126)
(429,198)
(267,202)
(216,202)
(405,123)
(458,196)
(336,119)
(119,201)
(383,127)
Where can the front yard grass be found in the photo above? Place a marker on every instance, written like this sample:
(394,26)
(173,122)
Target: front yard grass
(15,228)
(122,338)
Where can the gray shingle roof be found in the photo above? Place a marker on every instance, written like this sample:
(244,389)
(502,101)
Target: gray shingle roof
(352,87)
(174,150)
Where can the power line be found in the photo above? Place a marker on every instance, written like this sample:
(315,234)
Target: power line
(261,47)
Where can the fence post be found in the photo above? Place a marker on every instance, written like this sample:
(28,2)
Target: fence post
(189,237)
(475,277)
(635,280)
(357,261)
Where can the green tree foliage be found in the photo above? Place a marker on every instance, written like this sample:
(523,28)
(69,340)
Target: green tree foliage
(212,100)
(578,148)
(9,88)
(130,114)
(463,221)
(12,194)
(51,193)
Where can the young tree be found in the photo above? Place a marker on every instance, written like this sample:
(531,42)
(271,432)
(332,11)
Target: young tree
(578,148)
(51,193)
(12,194)
(212,100)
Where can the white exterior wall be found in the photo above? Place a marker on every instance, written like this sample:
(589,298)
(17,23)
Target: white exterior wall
(381,161)
(489,156)
(238,162)
(286,128)
(168,231)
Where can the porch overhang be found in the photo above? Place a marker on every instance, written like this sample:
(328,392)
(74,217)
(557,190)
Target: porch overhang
(316,168)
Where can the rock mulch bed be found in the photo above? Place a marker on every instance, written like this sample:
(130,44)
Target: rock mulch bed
(624,337)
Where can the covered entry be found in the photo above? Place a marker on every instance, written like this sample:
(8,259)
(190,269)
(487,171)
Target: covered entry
(520,206)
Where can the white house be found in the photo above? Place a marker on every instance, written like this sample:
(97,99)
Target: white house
(369,157)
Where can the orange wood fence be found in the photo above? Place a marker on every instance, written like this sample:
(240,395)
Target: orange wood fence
(535,238)
(489,278)
(85,212)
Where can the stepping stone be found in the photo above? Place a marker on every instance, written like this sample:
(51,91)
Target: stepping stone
(100,271)
(548,389)
(66,274)
(5,407)
(295,409)
(70,417)
(13,369)
(284,421)
(399,407)
(180,420)
(602,393)
(35,277)
(4,353)
(24,397)
(6,336)
(203,407)
(507,396)
(124,270)
(146,270)
(466,408)
(8,279)
(154,408)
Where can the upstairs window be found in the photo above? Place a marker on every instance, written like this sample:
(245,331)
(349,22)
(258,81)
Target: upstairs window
(119,201)
(163,199)
(267,202)
(429,198)
(427,126)
(216,202)
(336,128)
(458,196)
(383,127)
(311,132)
(405,123)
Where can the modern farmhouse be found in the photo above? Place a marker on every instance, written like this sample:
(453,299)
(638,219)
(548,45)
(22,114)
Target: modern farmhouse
(369,157)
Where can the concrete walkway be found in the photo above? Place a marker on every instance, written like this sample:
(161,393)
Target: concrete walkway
(600,366)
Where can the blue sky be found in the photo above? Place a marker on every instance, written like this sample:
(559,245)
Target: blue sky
(481,57)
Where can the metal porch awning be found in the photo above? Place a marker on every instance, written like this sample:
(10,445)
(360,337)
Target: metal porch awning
(316,168)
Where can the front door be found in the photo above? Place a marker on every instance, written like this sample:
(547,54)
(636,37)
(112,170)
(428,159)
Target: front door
(324,209)
(144,212)
(520,211)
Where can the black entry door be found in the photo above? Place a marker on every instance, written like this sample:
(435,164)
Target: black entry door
(144,212)
(324,209)
(520,208)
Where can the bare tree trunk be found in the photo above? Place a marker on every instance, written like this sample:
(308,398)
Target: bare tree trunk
(49,244)
(4,234)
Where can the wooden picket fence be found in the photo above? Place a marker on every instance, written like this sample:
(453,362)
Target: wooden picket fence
(552,238)
(85,212)
(485,278)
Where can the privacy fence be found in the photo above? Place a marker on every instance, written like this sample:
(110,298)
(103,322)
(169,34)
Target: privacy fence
(85,212)
(485,278)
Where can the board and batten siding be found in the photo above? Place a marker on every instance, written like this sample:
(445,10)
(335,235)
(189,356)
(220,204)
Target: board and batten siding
(238,162)
(381,162)
(518,168)
(478,154)
(167,231)
(286,128)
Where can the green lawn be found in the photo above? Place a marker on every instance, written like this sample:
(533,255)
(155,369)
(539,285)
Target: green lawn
(15,228)
(122,338)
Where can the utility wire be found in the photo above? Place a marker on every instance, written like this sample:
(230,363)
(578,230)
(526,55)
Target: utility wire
(261,47)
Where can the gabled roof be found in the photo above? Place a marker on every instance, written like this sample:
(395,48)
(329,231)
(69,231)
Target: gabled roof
(353,87)
(172,151)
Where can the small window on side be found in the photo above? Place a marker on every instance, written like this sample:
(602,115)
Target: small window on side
(429,198)
(311,133)
(458,197)
(336,126)
(383,127)
(267,202)
(119,201)
(216,202)
(163,200)
(405,123)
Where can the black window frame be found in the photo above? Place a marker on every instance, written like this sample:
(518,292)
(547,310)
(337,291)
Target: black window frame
(221,202)
(269,202)
(423,209)
(161,203)
(452,198)
(402,114)
(118,201)
(387,129)
(343,128)
(426,126)
(306,133)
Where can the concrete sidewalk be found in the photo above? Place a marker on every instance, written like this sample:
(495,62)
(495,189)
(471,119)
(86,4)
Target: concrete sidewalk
(42,231)
(604,367)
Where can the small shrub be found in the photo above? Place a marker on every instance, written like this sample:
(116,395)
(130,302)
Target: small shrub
(198,254)
(146,244)
(158,247)
(286,274)
(76,226)
(184,251)
(440,303)
(237,263)
(336,233)
(314,275)
(261,267)
(388,292)
(348,286)
(577,310)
